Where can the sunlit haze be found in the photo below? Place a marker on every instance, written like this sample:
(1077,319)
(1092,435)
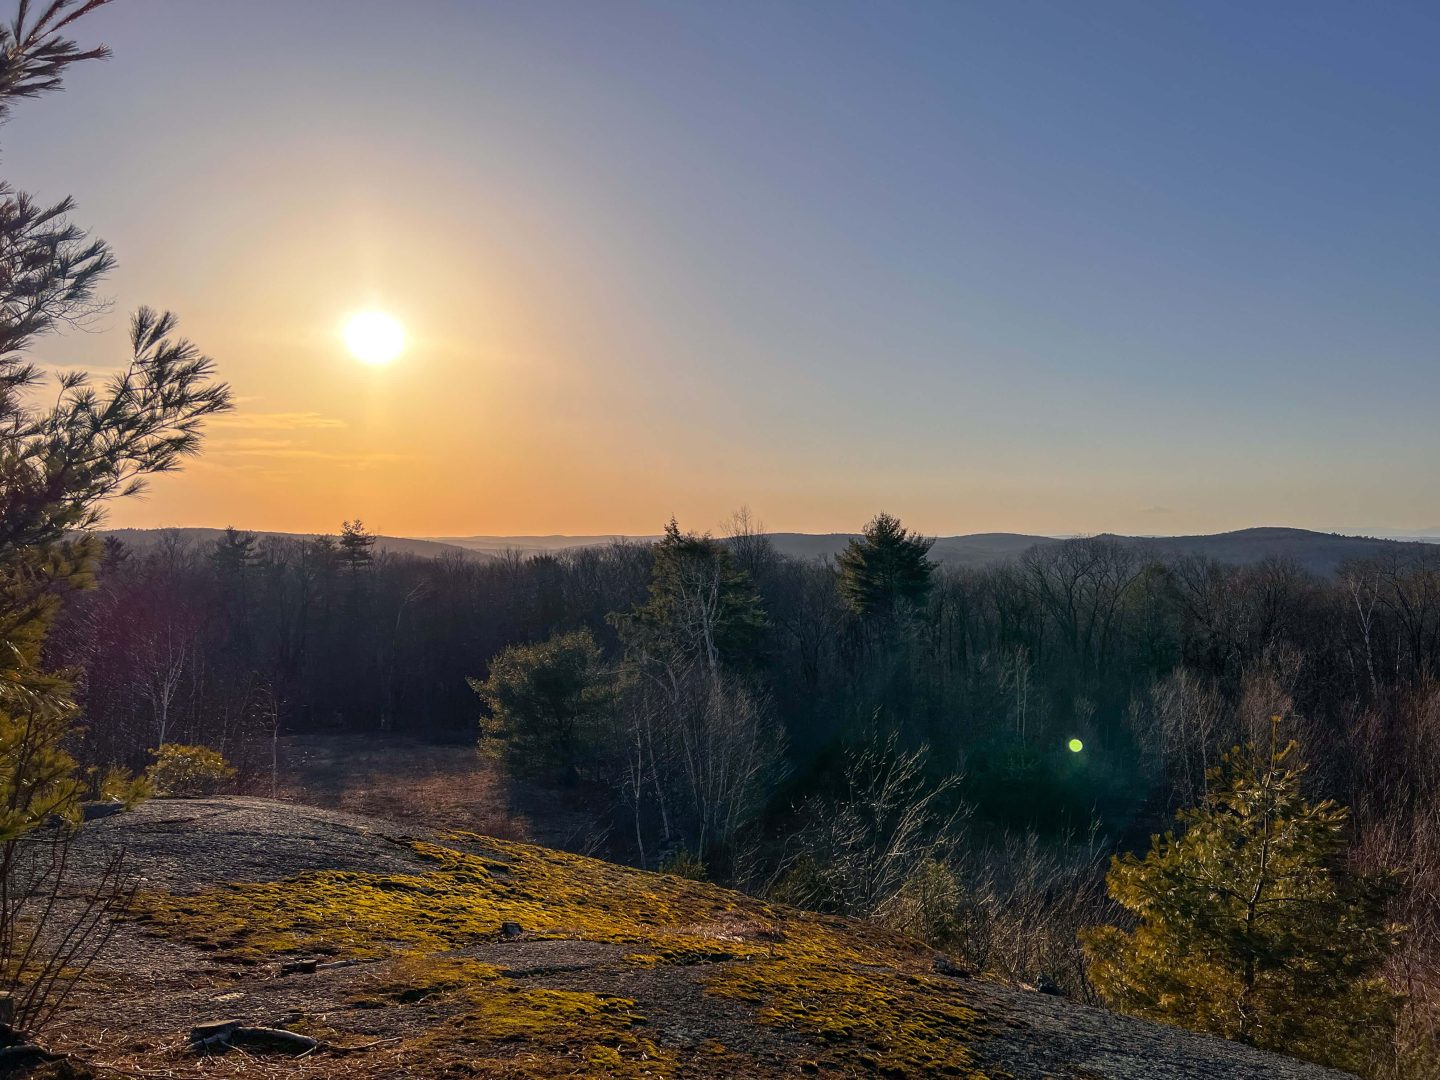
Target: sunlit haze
(987,266)
(374,337)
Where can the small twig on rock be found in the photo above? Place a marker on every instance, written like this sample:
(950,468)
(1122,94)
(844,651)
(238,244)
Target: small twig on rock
(313,964)
(224,1035)
(362,1046)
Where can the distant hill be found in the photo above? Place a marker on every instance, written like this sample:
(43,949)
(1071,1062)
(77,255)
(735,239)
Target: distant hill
(979,549)
(976,549)
(396,545)
(531,545)
(1321,553)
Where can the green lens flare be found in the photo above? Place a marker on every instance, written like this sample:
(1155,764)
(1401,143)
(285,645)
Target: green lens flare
(1075,746)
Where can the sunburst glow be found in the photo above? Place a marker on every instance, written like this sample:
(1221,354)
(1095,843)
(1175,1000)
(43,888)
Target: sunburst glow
(374,337)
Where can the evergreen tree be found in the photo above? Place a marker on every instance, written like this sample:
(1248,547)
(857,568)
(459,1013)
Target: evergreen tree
(355,545)
(546,703)
(234,558)
(233,553)
(701,607)
(885,568)
(1249,925)
(58,464)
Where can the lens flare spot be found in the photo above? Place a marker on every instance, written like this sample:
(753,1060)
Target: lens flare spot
(1075,746)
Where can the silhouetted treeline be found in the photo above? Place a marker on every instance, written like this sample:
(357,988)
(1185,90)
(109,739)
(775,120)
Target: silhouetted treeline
(994,669)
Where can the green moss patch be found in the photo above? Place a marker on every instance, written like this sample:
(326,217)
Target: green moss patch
(858,993)
(889,1023)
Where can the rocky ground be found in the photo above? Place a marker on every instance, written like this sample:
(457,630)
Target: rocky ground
(603,971)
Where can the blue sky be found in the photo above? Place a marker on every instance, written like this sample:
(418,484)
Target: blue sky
(1050,267)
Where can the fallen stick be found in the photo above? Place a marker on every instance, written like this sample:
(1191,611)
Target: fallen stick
(313,964)
(362,1046)
(232,1034)
(229,1034)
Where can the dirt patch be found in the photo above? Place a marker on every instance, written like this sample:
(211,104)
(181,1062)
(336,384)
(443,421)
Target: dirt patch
(439,786)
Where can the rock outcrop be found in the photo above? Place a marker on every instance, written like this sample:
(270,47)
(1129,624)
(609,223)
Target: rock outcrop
(430,955)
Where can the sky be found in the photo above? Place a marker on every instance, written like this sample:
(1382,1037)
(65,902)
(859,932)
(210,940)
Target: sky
(1037,267)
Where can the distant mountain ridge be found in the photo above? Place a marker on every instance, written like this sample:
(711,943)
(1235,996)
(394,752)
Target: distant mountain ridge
(1322,553)
(534,545)
(1319,552)
(397,545)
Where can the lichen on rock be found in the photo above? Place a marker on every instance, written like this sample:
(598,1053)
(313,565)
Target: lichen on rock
(854,994)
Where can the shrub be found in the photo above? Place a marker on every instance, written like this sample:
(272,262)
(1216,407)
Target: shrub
(686,864)
(855,852)
(189,772)
(1249,925)
(808,883)
(1011,907)
(930,905)
(547,702)
(115,785)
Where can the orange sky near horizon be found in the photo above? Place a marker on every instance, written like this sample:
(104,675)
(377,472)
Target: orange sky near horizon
(985,269)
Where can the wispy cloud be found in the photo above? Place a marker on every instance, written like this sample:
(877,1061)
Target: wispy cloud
(233,446)
(279,461)
(301,453)
(277,421)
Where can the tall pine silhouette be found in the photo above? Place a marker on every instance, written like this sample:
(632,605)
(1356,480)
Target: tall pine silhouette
(886,568)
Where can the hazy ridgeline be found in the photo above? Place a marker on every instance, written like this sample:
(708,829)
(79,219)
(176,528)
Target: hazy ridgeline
(820,730)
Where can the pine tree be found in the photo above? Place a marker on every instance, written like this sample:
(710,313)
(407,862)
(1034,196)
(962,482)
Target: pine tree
(355,545)
(59,464)
(701,606)
(234,553)
(1249,925)
(546,703)
(885,568)
(234,558)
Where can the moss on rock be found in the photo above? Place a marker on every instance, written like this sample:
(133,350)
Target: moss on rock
(858,995)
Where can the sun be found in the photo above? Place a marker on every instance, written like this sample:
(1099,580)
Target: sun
(374,337)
